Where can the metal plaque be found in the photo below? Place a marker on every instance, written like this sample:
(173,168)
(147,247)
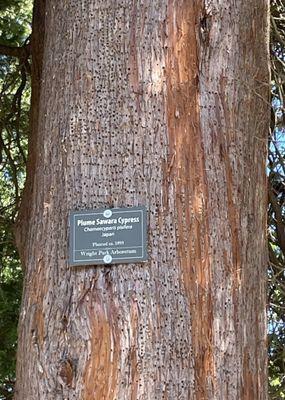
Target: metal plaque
(108,236)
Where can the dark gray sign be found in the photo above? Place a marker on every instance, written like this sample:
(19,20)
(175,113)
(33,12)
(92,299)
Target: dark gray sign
(108,236)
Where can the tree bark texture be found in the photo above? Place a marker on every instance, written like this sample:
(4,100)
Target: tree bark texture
(162,103)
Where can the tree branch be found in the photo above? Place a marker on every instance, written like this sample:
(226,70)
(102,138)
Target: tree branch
(20,52)
(280,228)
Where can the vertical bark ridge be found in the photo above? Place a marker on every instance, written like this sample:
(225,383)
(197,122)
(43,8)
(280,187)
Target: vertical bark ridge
(234,116)
(188,175)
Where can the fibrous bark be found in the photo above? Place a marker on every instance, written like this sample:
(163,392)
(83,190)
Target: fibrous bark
(163,104)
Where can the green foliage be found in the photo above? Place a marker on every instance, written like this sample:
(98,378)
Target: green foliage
(10,295)
(15,21)
(276,209)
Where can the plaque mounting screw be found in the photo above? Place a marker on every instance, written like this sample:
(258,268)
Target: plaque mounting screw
(107,213)
(107,259)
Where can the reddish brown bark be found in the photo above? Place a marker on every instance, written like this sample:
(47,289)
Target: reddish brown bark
(186,147)
(163,104)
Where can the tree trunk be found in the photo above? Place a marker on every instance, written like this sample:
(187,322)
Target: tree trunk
(162,103)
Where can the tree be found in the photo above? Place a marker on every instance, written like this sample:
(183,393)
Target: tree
(163,104)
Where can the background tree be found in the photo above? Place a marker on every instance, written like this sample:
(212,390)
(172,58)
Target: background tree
(15,21)
(276,222)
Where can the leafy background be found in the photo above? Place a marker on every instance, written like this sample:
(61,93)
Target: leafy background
(15,30)
(276,209)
